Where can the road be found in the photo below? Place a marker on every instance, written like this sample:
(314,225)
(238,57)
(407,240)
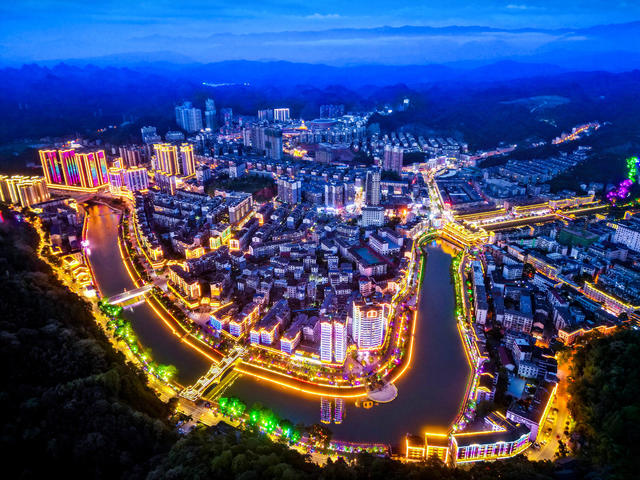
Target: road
(556,421)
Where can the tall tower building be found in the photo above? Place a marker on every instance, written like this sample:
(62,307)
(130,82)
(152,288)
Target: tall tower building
(326,340)
(187,160)
(22,190)
(227,116)
(68,168)
(289,190)
(393,157)
(281,114)
(334,195)
(273,143)
(368,325)
(340,340)
(188,117)
(372,188)
(166,158)
(210,114)
(131,156)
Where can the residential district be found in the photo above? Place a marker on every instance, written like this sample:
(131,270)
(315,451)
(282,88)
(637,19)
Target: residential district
(287,254)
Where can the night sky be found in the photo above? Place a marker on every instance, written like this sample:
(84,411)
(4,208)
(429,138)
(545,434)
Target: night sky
(58,29)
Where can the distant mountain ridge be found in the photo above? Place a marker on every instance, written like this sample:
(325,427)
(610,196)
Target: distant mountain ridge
(606,47)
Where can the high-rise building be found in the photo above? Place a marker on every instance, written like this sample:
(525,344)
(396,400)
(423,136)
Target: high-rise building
(289,190)
(393,157)
(166,182)
(174,161)
(188,117)
(68,168)
(22,190)
(372,188)
(131,156)
(369,324)
(334,195)
(166,158)
(273,143)
(281,114)
(210,114)
(340,340)
(227,116)
(150,135)
(187,160)
(131,179)
(326,340)
(265,114)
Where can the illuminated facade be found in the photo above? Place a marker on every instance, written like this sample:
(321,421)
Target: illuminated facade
(340,340)
(326,340)
(368,325)
(22,190)
(132,179)
(489,445)
(173,160)
(78,170)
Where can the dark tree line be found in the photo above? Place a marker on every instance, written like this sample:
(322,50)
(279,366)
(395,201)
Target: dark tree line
(605,402)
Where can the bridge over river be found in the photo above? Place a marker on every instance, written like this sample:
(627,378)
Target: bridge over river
(215,373)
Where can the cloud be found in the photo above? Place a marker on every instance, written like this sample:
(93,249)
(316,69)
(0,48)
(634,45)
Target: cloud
(513,6)
(320,16)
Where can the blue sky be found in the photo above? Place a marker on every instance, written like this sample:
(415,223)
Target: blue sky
(41,30)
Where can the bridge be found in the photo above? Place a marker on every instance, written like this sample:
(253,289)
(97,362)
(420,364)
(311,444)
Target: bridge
(214,374)
(129,297)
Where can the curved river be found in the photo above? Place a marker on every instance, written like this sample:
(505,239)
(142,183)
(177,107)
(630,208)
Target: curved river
(429,393)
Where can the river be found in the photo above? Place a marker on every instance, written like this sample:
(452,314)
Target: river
(429,393)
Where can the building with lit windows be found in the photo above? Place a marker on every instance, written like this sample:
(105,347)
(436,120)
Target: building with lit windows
(289,190)
(326,340)
(334,195)
(22,190)
(392,159)
(210,114)
(372,217)
(173,160)
(188,117)
(79,170)
(128,179)
(369,324)
(485,445)
(340,340)
(273,143)
(281,114)
(372,188)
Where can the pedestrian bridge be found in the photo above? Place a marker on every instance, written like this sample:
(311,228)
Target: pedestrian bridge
(215,373)
(129,297)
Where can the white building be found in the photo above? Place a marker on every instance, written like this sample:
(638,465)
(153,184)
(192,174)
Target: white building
(326,340)
(340,340)
(281,114)
(372,217)
(628,234)
(369,324)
